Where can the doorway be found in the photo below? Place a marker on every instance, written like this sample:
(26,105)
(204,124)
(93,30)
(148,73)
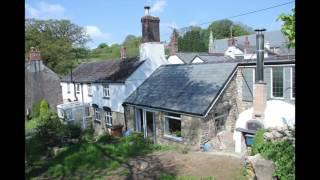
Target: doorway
(145,122)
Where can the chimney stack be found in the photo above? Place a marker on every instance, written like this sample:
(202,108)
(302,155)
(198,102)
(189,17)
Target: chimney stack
(123,52)
(35,54)
(173,45)
(259,93)
(150,27)
(146,10)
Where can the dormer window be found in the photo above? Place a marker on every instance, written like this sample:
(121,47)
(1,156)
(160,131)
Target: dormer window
(106,91)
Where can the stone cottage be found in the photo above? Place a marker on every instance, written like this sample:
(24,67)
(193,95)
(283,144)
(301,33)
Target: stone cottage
(189,104)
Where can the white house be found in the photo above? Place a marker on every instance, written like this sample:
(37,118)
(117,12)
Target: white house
(106,84)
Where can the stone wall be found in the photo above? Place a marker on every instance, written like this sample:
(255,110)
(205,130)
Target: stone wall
(100,127)
(227,103)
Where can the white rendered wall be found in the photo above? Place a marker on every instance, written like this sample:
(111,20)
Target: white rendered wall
(152,53)
(232,51)
(197,60)
(174,59)
(277,114)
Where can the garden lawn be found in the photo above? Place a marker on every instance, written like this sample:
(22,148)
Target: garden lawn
(92,160)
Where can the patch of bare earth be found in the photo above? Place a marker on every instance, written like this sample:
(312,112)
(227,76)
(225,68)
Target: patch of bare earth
(193,164)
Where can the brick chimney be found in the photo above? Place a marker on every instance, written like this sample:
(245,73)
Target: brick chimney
(260,90)
(173,45)
(34,54)
(36,64)
(123,52)
(150,27)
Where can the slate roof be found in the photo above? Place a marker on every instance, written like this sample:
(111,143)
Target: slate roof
(187,57)
(184,88)
(275,38)
(210,58)
(104,71)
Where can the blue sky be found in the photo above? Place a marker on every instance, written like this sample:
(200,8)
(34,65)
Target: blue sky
(110,21)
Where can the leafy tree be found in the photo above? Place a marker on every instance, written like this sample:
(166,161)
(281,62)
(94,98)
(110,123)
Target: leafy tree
(103,45)
(288,28)
(197,40)
(58,40)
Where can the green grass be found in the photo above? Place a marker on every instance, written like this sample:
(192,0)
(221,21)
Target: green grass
(92,160)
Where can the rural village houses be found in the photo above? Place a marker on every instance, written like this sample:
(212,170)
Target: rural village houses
(172,102)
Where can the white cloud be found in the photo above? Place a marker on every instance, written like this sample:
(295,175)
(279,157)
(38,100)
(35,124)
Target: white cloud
(44,10)
(95,33)
(158,6)
(97,36)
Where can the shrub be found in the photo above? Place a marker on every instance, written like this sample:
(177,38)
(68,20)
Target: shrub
(73,131)
(258,141)
(49,130)
(35,112)
(280,152)
(44,106)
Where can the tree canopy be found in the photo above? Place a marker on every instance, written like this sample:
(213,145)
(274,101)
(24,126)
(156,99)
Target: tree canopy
(60,41)
(288,27)
(197,40)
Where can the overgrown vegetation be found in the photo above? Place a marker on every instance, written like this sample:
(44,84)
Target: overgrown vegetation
(288,27)
(172,177)
(281,152)
(92,159)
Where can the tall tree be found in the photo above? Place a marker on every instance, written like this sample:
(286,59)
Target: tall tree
(288,27)
(60,41)
(197,40)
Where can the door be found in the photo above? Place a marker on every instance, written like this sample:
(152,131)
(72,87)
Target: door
(150,125)
(139,120)
(145,122)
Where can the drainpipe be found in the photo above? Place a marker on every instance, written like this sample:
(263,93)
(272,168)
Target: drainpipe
(125,118)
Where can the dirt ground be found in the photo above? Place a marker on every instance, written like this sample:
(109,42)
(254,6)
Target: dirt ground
(193,164)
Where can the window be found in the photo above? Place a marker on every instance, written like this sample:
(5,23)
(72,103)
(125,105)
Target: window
(220,122)
(89,89)
(68,88)
(172,126)
(87,111)
(68,115)
(106,92)
(277,81)
(78,88)
(97,114)
(108,118)
(293,83)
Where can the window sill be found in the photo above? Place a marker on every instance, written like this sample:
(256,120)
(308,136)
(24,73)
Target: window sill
(281,98)
(106,97)
(109,125)
(173,138)
(97,121)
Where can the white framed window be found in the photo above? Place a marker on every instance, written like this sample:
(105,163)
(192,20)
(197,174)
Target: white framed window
(89,89)
(78,88)
(108,118)
(68,115)
(293,83)
(172,126)
(68,88)
(106,90)
(97,114)
(277,82)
